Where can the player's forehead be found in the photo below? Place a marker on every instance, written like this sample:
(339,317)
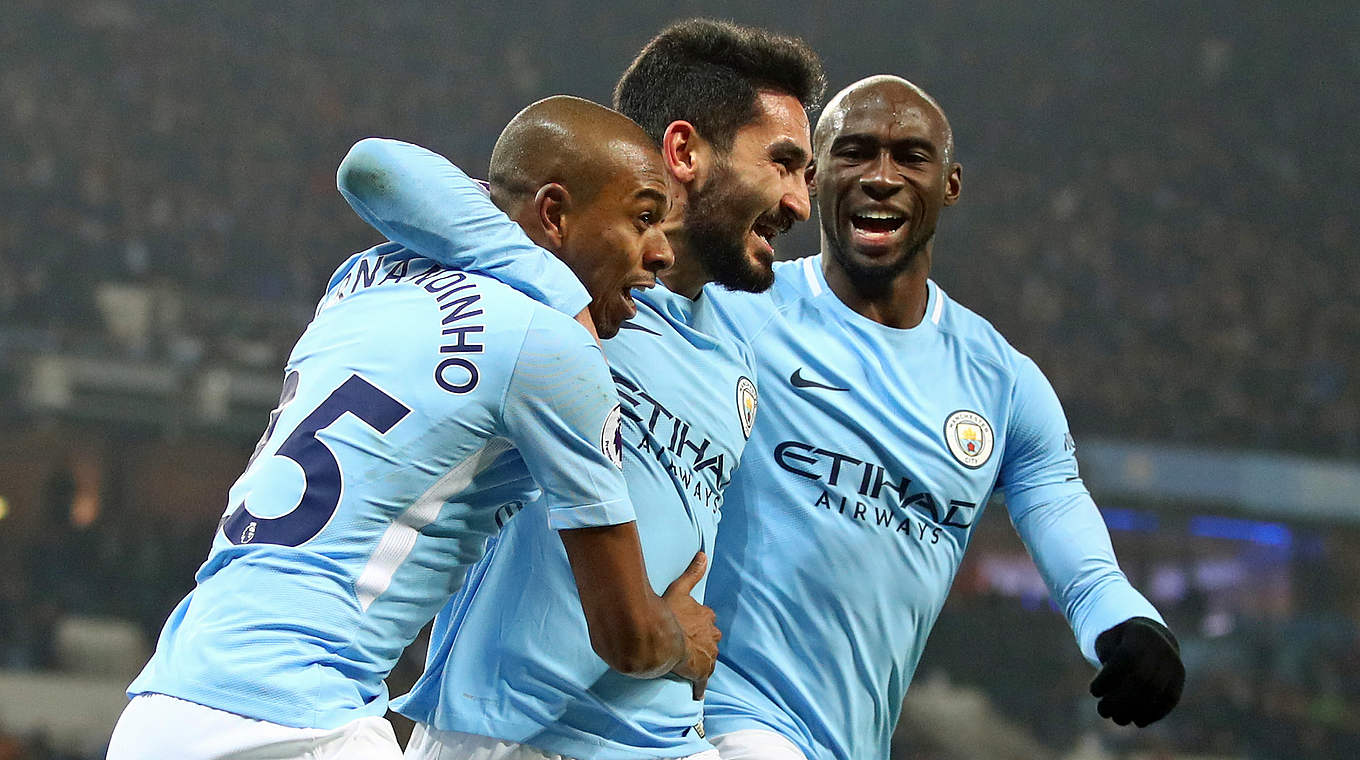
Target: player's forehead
(635,169)
(780,124)
(888,112)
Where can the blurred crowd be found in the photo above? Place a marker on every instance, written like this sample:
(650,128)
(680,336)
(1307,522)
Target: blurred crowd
(1159,213)
(1158,207)
(1262,683)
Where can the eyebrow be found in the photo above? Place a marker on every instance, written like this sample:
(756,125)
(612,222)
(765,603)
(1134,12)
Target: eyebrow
(788,149)
(863,138)
(651,194)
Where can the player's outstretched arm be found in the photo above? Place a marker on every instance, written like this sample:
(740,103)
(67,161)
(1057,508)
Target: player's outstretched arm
(637,632)
(419,199)
(1142,675)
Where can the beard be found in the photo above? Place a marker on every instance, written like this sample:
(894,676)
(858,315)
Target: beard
(715,232)
(872,278)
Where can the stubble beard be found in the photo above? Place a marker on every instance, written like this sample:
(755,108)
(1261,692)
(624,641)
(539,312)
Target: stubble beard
(717,239)
(872,279)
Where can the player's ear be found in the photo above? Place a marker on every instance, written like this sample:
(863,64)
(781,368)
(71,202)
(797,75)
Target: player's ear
(551,204)
(953,184)
(810,177)
(678,146)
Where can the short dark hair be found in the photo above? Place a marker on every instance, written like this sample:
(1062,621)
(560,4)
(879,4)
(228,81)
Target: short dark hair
(709,73)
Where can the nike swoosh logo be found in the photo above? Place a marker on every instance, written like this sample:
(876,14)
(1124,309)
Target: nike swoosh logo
(802,382)
(640,328)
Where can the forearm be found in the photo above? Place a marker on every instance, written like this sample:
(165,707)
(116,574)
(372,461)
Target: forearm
(419,199)
(631,627)
(1071,548)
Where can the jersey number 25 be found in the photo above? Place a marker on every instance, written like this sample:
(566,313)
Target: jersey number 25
(320,469)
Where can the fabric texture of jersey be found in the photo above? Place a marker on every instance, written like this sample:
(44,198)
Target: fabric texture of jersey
(872,459)
(511,657)
(416,407)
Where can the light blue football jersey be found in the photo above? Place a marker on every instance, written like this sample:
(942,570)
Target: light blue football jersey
(873,457)
(511,657)
(419,408)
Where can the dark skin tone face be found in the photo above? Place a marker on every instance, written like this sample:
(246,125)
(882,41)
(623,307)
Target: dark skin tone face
(614,243)
(883,172)
(587,184)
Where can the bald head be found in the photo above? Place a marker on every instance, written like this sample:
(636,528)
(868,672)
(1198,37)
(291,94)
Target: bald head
(568,141)
(879,90)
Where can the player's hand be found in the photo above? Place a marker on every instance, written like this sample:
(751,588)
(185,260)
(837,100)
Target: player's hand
(701,635)
(1142,674)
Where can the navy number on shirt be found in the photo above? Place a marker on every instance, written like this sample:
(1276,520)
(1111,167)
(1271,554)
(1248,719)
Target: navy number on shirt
(320,469)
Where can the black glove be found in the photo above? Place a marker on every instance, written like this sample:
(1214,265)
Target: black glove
(1142,675)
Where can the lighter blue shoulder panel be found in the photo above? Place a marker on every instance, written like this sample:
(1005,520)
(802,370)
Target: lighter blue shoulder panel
(419,199)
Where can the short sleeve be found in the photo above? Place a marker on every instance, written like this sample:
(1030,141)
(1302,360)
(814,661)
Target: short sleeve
(562,412)
(419,199)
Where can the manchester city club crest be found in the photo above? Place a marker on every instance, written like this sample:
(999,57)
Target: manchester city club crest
(746,405)
(611,437)
(969,437)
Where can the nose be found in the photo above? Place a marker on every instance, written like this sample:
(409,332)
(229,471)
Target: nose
(881,178)
(795,197)
(657,255)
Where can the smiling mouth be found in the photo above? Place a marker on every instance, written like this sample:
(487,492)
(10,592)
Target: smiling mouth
(878,222)
(766,232)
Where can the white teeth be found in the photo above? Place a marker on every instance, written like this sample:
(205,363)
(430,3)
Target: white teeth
(879,215)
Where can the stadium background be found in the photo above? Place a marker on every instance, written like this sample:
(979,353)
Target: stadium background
(1158,207)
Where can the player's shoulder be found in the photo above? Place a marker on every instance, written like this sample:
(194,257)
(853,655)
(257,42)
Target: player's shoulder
(797,280)
(548,323)
(746,314)
(974,333)
(519,323)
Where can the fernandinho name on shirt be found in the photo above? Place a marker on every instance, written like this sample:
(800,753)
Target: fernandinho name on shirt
(879,499)
(458,298)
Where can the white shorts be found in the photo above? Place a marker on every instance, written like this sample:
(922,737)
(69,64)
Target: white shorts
(755,744)
(431,744)
(157,727)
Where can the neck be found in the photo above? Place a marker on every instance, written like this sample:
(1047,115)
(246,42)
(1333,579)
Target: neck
(687,276)
(897,301)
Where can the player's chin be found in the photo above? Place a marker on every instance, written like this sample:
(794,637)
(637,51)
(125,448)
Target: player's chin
(755,275)
(760,260)
(622,310)
(608,329)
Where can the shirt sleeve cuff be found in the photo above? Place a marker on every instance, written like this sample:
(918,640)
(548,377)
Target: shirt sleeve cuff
(596,515)
(1118,603)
